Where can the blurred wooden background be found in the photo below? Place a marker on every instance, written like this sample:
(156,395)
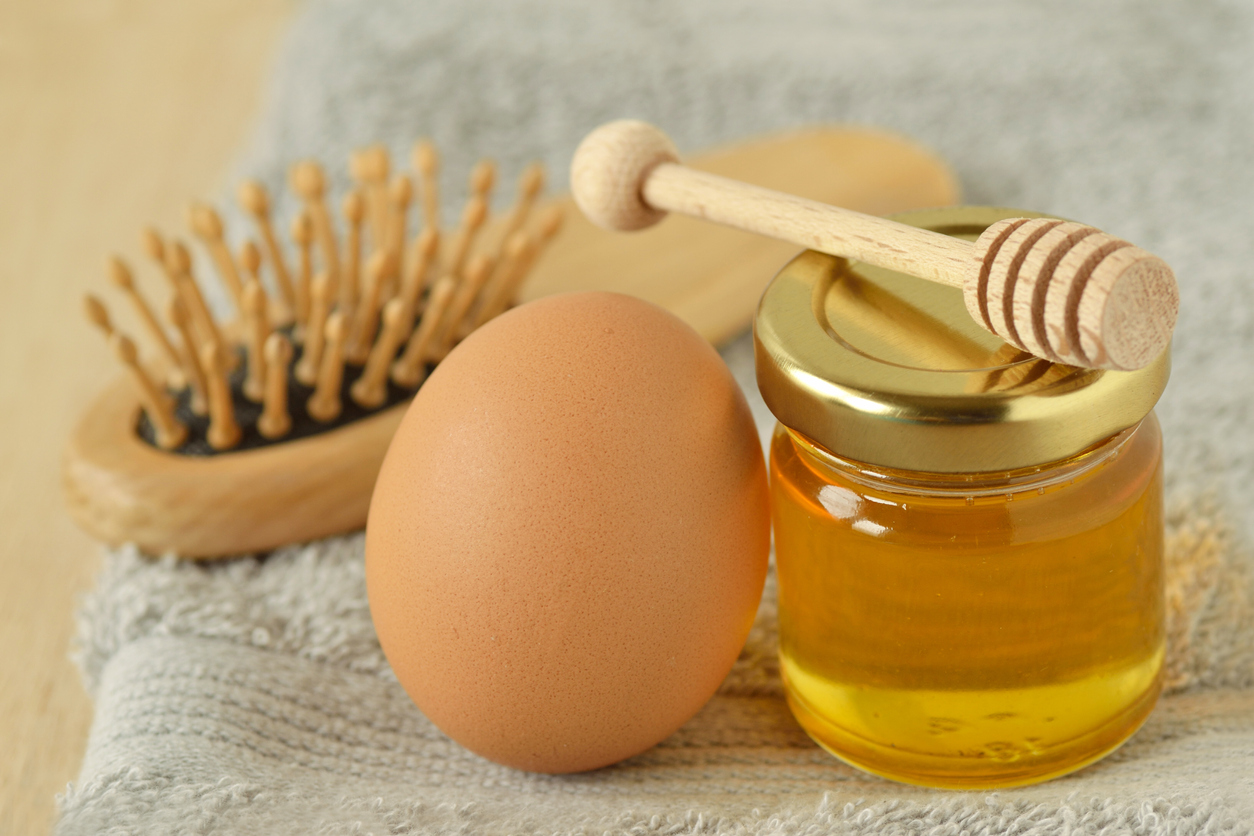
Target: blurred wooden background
(113,114)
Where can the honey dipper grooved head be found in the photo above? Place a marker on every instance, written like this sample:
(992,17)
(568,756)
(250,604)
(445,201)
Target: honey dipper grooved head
(609,169)
(1128,309)
(1072,294)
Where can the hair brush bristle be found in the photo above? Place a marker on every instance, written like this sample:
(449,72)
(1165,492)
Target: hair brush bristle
(353,328)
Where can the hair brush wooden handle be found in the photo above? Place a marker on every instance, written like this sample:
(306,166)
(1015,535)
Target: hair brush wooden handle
(1060,290)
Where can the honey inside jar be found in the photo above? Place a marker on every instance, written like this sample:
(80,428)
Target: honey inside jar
(970,632)
(968,538)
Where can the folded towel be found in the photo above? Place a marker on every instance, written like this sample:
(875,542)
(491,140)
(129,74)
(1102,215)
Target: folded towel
(252,696)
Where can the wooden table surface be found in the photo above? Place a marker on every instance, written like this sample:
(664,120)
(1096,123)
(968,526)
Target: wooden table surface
(113,114)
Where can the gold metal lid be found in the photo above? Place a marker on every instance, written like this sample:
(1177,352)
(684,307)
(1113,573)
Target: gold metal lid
(890,370)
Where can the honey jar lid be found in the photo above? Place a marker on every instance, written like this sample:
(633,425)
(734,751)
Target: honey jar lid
(887,369)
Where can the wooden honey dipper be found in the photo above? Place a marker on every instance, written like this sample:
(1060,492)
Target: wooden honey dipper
(1057,289)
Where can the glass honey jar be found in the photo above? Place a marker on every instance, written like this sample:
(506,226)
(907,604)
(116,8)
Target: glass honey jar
(968,539)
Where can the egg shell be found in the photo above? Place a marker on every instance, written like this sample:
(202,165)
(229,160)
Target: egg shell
(569,536)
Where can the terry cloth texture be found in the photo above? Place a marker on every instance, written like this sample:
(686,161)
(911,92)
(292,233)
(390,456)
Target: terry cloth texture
(252,696)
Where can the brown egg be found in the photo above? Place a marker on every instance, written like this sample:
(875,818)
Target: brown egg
(569,536)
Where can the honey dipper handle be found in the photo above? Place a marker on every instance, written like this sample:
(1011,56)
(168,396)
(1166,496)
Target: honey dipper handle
(625,175)
(808,223)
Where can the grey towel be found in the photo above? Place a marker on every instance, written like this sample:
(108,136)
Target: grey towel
(251,696)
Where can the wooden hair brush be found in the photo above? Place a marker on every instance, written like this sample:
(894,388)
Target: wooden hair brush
(230,437)
(270,428)
(1059,290)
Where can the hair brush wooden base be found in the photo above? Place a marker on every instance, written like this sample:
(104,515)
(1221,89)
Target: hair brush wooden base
(123,489)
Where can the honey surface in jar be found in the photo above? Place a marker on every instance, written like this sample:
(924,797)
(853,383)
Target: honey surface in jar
(971,631)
